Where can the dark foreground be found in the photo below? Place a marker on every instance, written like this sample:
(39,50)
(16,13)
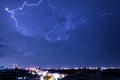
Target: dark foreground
(71,74)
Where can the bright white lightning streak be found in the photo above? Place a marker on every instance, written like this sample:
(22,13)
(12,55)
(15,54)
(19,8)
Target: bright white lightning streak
(12,12)
(53,8)
(68,24)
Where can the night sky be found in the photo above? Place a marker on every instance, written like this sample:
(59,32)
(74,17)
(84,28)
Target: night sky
(60,33)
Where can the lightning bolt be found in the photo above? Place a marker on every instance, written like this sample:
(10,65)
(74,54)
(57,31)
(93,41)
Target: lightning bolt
(63,26)
(13,13)
(59,30)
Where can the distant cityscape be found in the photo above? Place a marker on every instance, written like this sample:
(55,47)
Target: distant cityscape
(77,73)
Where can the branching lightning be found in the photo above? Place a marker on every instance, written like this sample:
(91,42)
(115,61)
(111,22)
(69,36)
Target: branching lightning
(13,12)
(62,26)
(59,30)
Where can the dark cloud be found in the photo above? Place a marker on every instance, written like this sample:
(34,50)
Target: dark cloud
(91,37)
